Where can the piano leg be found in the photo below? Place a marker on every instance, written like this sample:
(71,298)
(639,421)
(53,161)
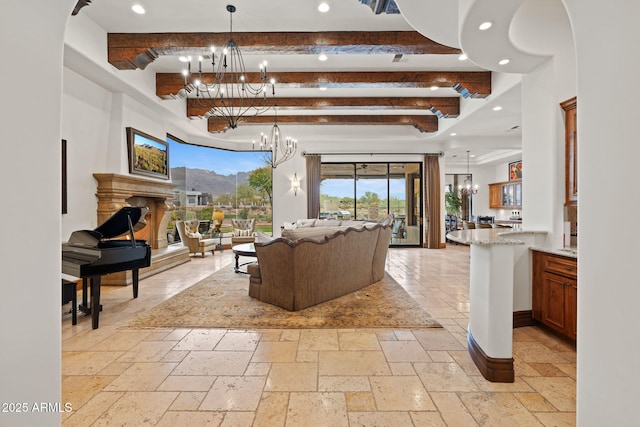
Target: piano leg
(84,307)
(95,301)
(135,275)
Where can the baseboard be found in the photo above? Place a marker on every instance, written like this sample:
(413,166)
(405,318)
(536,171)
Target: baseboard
(523,318)
(497,370)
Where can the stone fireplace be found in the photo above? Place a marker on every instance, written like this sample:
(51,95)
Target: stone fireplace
(117,191)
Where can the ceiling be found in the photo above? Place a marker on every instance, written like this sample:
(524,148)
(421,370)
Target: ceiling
(492,136)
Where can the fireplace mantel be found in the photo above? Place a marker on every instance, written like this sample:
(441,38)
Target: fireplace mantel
(117,191)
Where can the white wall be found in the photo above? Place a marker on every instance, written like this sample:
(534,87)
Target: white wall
(31,34)
(608,284)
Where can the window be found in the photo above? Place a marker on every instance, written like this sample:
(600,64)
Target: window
(370,191)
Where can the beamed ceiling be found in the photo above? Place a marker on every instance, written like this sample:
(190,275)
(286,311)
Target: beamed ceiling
(132,51)
(380,71)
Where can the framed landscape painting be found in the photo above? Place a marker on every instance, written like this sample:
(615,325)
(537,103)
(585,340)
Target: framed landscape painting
(147,155)
(515,170)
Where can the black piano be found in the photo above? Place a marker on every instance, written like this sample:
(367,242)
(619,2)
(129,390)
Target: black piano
(89,254)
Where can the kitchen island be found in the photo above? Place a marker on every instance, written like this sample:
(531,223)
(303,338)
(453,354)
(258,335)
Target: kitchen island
(499,278)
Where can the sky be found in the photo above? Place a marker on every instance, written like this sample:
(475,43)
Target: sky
(222,162)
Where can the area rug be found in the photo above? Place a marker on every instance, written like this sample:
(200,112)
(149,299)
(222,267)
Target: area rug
(222,301)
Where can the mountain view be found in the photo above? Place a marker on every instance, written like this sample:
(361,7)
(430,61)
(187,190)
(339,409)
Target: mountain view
(207,181)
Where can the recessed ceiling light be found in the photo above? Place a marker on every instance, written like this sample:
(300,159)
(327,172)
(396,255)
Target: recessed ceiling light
(463,57)
(472,155)
(504,61)
(323,7)
(323,57)
(485,26)
(453,134)
(497,108)
(434,87)
(323,88)
(137,8)
(183,59)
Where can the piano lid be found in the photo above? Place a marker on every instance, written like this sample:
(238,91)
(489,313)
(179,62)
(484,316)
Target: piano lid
(118,223)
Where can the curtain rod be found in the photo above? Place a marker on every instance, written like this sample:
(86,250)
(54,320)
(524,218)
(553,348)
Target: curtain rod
(439,154)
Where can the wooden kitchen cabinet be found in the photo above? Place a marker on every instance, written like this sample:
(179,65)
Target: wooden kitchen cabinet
(505,195)
(571,151)
(555,292)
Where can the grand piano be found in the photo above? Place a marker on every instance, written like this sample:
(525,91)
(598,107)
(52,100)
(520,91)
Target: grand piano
(89,254)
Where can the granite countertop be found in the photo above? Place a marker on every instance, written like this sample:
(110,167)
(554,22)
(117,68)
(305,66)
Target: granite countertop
(489,236)
(570,252)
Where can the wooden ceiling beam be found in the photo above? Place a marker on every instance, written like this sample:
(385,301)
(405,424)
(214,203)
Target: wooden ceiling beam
(424,123)
(169,85)
(449,106)
(129,51)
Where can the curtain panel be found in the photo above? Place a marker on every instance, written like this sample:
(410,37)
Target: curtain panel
(313,186)
(432,201)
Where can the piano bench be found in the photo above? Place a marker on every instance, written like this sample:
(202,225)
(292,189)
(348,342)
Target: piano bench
(69,294)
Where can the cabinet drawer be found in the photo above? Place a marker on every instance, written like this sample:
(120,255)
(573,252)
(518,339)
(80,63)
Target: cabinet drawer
(562,266)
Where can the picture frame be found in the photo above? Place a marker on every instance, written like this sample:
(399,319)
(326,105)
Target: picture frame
(515,170)
(148,155)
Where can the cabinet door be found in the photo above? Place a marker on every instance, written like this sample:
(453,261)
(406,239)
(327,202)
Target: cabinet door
(571,308)
(495,201)
(518,194)
(553,301)
(537,273)
(571,151)
(505,195)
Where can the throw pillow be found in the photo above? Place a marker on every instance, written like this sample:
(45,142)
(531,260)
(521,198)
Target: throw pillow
(192,235)
(241,233)
(263,237)
(301,223)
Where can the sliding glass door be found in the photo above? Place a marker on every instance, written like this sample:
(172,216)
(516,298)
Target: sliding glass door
(370,191)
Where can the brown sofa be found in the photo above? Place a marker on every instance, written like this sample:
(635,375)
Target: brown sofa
(296,274)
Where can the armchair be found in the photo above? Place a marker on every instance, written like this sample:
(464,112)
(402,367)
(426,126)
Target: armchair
(187,230)
(243,231)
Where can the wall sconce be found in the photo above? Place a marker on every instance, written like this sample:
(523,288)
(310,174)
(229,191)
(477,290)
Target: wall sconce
(295,184)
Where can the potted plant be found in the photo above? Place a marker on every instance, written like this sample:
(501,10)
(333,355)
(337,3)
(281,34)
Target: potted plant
(452,203)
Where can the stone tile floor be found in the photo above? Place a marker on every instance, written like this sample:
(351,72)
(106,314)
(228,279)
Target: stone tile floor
(114,376)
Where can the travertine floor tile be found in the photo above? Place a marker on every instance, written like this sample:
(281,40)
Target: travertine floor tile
(367,419)
(452,409)
(353,363)
(200,339)
(190,418)
(400,394)
(214,363)
(559,391)
(360,401)
(142,376)
(139,407)
(292,377)
(317,409)
(187,383)
(404,351)
(272,410)
(318,339)
(444,377)
(282,351)
(498,409)
(234,394)
(223,377)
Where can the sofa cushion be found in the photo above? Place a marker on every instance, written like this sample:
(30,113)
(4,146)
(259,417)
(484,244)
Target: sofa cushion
(302,223)
(263,237)
(194,235)
(312,233)
(327,223)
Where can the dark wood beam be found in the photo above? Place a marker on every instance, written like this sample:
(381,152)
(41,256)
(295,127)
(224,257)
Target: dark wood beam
(424,123)
(79,5)
(449,106)
(128,51)
(168,85)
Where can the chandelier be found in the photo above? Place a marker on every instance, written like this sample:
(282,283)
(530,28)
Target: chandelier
(468,188)
(282,149)
(230,94)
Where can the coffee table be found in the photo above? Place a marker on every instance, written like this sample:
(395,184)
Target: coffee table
(245,249)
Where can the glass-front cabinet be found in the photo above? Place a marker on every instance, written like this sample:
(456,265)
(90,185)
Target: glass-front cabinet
(505,195)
